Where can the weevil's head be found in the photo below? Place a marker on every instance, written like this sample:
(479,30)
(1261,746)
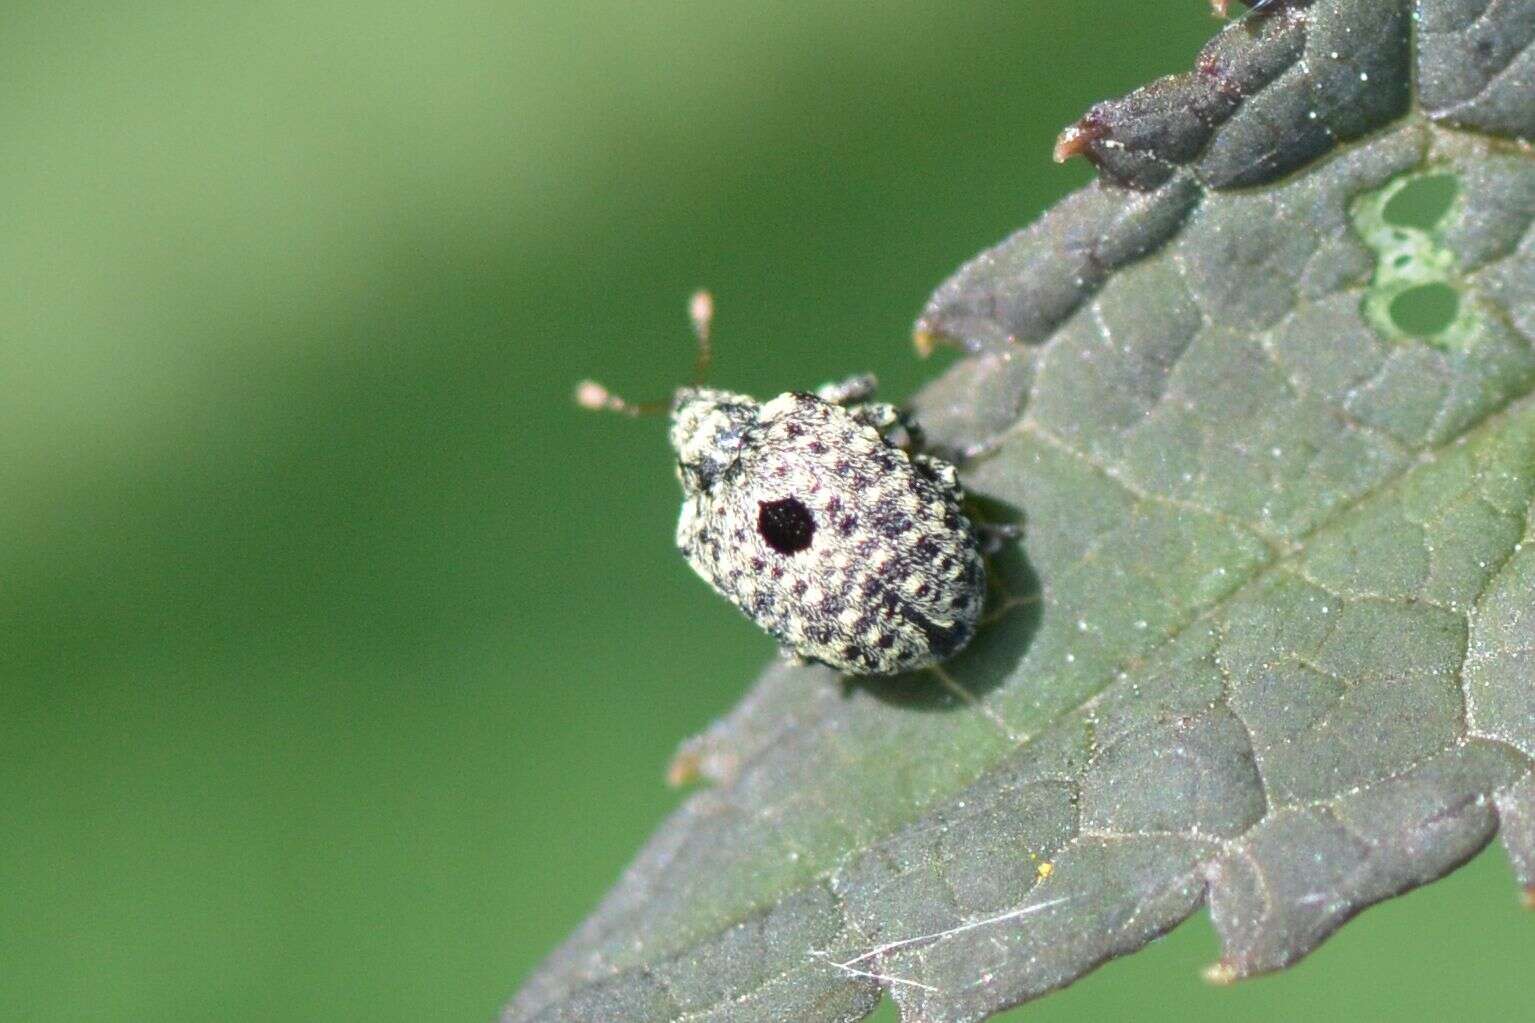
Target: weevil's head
(708,429)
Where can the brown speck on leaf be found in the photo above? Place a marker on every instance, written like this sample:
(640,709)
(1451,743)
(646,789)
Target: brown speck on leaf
(700,758)
(684,767)
(924,342)
(1222,8)
(1528,901)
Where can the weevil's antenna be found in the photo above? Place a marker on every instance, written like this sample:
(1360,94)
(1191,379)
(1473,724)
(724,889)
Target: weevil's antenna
(592,395)
(701,312)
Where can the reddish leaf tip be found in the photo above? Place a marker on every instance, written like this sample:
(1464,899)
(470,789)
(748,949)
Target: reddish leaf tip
(1073,141)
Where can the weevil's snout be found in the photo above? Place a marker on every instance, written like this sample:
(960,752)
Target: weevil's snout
(708,431)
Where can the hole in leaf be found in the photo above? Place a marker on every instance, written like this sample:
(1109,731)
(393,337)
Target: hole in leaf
(1426,309)
(1422,202)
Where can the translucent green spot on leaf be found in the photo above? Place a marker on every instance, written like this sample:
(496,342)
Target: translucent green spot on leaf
(1421,202)
(1417,293)
(1426,309)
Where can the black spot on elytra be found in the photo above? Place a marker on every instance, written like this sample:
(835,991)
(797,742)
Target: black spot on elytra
(786,525)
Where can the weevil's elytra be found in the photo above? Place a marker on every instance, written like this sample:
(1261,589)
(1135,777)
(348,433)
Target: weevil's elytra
(802,511)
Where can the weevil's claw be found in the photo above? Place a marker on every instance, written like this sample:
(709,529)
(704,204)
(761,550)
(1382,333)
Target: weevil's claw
(995,535)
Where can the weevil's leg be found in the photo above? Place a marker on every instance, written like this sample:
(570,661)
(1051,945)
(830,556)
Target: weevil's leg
(876,414)
(1001,602)
(914,436)
(886,418)
(980,449)
(943,473)
(793,657)
(850,391)
(995,534)
(853,394)
(995,591)
(1000,599)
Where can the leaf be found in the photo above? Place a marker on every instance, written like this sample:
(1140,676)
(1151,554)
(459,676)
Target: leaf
(1261,400)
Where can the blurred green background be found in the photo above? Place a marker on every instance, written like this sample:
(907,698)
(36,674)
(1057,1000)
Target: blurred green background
(341,656)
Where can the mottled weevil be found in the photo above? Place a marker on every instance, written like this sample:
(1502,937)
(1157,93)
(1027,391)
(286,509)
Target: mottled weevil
(809,514)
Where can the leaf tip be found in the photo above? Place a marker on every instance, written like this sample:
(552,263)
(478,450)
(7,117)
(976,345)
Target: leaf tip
(1075,140)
